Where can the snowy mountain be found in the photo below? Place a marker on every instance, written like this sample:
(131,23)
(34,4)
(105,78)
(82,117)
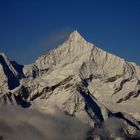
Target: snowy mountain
(79,79)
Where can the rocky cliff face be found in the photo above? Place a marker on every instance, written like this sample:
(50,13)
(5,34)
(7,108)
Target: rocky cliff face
(11,74)
(81,80)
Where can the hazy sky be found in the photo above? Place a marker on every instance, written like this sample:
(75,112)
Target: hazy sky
(28,27)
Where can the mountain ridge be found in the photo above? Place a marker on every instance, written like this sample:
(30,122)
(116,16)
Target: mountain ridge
(81,80)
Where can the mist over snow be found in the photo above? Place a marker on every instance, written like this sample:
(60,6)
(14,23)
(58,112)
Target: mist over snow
(20,124)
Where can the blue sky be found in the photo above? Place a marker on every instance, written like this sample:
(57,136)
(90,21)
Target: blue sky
(28,27)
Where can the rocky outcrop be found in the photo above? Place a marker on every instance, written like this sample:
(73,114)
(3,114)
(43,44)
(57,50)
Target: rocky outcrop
(11,74)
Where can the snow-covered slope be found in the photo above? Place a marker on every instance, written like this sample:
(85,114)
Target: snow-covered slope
(81,80)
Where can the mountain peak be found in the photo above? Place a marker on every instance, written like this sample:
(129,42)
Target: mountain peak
(75,35)
(2,55)
(75,32)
